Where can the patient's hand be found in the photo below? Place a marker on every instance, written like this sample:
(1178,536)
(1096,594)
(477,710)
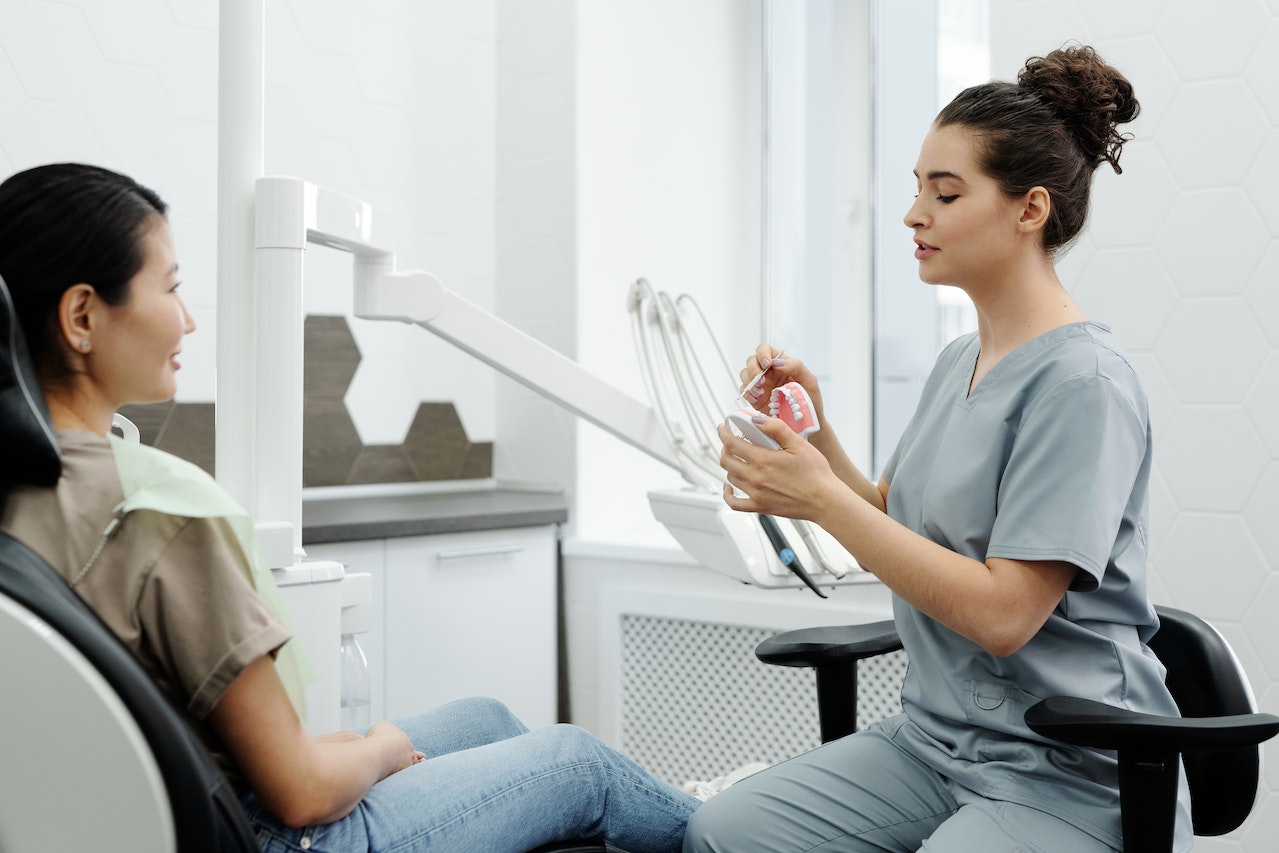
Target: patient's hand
(397,747)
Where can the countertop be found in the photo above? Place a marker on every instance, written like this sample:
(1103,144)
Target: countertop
(338,518)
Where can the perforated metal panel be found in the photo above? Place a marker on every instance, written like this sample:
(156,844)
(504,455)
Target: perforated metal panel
(696,703)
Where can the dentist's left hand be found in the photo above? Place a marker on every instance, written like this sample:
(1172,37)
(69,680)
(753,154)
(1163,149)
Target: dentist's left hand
(795,481)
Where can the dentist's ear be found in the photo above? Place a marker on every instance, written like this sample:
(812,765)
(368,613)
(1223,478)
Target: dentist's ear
(1036,204)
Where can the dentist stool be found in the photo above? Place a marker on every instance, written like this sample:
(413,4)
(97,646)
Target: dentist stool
(1217,737)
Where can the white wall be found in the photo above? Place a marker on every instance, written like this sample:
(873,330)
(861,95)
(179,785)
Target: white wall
(391,102)
(1182,259)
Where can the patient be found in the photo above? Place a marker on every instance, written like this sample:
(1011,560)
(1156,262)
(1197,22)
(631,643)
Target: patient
(89,258)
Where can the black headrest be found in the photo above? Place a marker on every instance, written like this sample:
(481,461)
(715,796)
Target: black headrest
(27,443)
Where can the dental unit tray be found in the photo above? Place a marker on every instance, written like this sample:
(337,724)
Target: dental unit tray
(291,213)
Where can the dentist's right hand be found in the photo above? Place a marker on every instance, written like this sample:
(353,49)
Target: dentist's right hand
(781,368)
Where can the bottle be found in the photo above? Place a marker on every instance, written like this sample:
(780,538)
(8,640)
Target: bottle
(355,685)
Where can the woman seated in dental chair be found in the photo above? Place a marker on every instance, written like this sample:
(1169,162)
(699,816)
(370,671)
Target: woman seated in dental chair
(89,259)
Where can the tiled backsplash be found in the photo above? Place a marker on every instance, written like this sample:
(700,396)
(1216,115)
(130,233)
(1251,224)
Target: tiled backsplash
(435,448)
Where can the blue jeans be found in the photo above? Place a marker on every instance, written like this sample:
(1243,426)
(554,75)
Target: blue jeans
(490,785)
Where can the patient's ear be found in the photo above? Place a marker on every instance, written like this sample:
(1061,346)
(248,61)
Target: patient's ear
(76,316)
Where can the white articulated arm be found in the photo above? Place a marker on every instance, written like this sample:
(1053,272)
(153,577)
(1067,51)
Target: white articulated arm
(292,212)
(419,297)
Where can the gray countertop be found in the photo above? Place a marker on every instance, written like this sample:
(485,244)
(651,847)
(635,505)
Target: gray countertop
(345,519)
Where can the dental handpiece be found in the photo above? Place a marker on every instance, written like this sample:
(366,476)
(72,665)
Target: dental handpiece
(786,554)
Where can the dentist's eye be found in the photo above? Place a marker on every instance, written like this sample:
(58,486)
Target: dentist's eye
(947,199)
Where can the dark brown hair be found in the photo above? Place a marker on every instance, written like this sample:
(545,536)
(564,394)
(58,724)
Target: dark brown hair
(1052,128)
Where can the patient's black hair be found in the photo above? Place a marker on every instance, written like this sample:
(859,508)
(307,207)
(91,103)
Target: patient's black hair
(65,224)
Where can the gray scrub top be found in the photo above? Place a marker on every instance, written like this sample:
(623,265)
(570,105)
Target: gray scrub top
(1047,459)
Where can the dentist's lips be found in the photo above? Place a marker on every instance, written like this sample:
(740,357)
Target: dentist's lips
(923,250)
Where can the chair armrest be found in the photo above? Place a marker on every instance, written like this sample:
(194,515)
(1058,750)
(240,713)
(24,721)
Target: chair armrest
(1083,722)
(831,644)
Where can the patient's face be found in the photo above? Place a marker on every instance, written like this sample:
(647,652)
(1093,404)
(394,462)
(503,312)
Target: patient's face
(135,350)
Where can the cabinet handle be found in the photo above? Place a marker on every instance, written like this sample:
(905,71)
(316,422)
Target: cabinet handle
(466,553)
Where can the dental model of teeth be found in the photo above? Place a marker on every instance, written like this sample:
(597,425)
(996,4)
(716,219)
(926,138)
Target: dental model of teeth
(791,403)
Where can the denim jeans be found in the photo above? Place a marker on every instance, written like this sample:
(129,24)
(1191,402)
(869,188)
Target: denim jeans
(490,785)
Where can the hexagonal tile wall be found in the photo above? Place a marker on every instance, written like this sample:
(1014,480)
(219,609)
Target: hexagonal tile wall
(436,447)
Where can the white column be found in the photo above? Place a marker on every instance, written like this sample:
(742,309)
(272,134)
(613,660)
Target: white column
(241,64)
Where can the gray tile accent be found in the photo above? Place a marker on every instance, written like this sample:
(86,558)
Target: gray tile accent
(436,447)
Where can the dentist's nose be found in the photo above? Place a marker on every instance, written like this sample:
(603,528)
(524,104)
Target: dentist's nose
(913,218)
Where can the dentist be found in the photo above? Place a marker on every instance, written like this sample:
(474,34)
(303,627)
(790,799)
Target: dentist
(1010,521)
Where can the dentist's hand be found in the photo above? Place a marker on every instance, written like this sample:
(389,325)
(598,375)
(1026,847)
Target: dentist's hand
(781,368)
(795,481)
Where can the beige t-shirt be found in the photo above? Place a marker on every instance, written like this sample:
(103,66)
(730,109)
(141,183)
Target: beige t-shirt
(175,590)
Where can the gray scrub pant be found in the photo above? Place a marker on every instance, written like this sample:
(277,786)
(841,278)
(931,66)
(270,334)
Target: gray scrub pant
(865,793)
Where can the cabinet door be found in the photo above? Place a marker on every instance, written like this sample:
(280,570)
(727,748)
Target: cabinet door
(366,556)
(472,614)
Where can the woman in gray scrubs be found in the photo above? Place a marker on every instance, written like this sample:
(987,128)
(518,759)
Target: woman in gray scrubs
(1010,522)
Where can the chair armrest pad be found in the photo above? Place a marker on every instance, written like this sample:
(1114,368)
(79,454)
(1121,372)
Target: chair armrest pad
(1083,722)
(831,644)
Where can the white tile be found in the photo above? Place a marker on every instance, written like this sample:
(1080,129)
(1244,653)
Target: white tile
(327,24)
(51,133)
(383,60)
(1211,350)
(185,173)
(1262,293)
(1217,570)
(1202,150)
(1209,458)
(1107,19)
(1032,28)
(52,51)
(380,400)
(11,93)
(1262,628)
(286,57)
(328,104)
(1211,241)
(1129,209)
(130,115)
(195,13)
(1262,405)
(1129,290)
(135,37)
(1259,832)
(1159,394)
(184,63)
(1262,72)
(1215,39)
(1263,180)
(1262,513)
(1163,513)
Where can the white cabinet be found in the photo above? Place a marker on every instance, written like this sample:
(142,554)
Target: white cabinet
(460,614)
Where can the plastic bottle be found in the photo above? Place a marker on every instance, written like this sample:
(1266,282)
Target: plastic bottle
(355,685)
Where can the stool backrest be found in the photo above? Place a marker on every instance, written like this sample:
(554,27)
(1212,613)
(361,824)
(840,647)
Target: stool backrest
(1206,680)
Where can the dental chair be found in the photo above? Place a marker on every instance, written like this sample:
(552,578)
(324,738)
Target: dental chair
(1217,737)
(92,756)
